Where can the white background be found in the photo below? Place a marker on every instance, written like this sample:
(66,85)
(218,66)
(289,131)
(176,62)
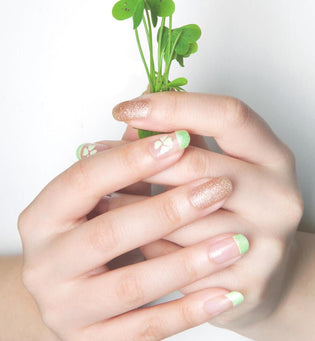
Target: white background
(65,63)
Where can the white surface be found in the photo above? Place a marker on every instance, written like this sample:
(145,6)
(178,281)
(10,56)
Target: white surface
(65,63)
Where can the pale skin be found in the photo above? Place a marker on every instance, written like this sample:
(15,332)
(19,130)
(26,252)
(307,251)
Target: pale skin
(265,205)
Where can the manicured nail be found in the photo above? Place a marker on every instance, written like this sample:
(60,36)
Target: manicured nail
(167,144)
(219,305)
(130,110)
(228,248)
(211,192)
(88,149)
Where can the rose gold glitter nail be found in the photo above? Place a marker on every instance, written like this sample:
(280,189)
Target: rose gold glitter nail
(130,110)
(211,192)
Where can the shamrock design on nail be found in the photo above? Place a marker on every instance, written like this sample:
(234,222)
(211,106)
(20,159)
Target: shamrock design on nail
(165,143)
(89,150)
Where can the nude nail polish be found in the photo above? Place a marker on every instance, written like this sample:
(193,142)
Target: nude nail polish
(211,192)
(228,248)
(219,305)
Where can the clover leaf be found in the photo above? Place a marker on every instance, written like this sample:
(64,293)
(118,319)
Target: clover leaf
(172,43)
(178,82)
(160,8)
(189,35)
(125,9)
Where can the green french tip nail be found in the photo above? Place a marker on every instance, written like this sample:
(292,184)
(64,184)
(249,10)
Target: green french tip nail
(235,297)
(78,152)
(183,138)
(242,243)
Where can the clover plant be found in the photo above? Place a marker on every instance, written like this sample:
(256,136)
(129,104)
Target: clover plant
(172,43)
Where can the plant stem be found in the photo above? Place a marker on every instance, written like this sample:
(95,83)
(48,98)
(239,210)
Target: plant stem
(168,63)
(160,57)
(167,69)
(143,58)
(150,39)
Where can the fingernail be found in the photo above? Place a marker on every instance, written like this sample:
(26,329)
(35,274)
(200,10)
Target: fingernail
(130,110)
(219,305)
(211,192)
(229,248)
(167,144)
(88,149)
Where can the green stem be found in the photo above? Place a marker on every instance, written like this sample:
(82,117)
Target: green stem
(150,39)
(168,64)
(167,70)
(170,34)
(160,56)
(143,58)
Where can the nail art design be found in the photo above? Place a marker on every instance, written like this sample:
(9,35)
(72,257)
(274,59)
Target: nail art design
(163,145)
(170,143)
(88,149)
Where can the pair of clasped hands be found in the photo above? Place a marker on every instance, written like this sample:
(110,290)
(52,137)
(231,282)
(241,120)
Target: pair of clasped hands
(222,233)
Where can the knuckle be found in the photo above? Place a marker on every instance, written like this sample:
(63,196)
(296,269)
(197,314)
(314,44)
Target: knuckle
(78,176)
(197,163)
(22,222)
(150,330)
(187,314)
(293,205)
(129,290)
(173,107)
(169,212)
(103,236)
(286,158)
(188,267)
(30,276)
(296,208)
(51,318)
(237,112)
(130,159)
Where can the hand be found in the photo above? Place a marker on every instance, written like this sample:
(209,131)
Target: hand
(64,252)
(266,203)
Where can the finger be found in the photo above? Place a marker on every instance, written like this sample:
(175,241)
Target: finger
(87,150)
(131,134)
(75,192)
(159,248)
(115,200)
(133,286)
(198,163)
(126,228)
(164,320)
(238,130)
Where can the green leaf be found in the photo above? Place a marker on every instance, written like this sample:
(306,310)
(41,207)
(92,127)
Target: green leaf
(193,48)
(138,15)
(124,9)
(146,133)
(161,8)
(180,60)
(178,82)
(165,35)
(189,35)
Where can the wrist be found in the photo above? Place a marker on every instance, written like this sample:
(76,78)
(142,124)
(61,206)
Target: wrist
(19,315)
